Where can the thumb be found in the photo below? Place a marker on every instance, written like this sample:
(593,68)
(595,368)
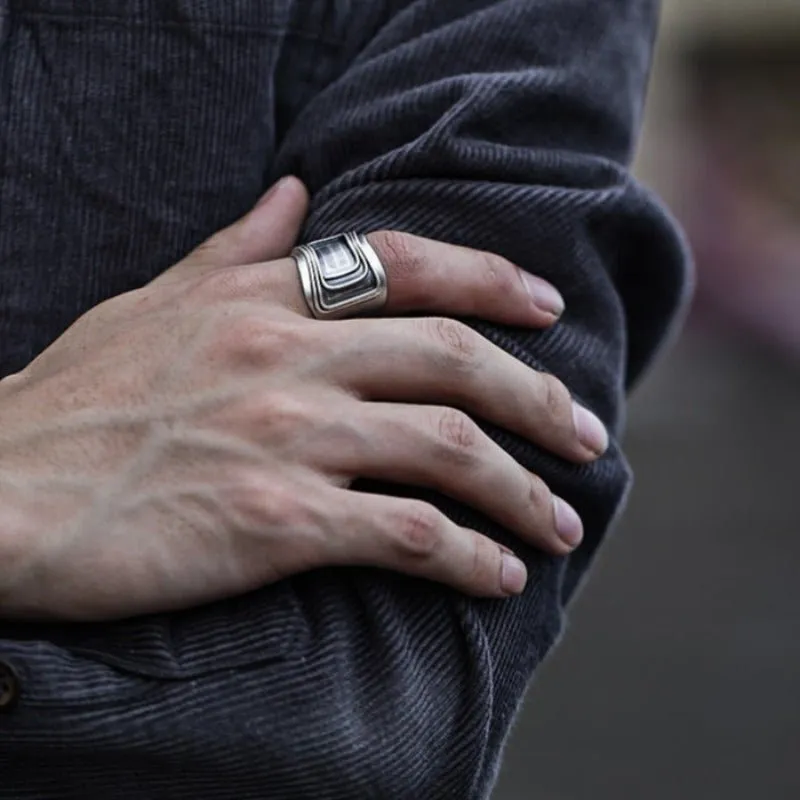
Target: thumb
(267,232)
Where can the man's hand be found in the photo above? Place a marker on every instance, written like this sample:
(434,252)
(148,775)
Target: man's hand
(197,438)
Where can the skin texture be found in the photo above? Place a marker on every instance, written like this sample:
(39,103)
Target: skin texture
(198,437)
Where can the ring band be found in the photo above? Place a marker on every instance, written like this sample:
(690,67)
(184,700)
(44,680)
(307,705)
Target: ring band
(341,276)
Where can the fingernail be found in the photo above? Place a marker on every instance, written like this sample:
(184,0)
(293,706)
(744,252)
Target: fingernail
(274,189)
(513,575)
(568,524)
(544,295)
(590,430)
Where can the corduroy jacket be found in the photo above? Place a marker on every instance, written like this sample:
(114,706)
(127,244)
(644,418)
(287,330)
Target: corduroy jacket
(130,130)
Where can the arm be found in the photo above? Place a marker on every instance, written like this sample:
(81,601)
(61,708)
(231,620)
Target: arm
(505,126)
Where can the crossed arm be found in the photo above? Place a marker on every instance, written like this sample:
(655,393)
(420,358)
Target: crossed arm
(505,126)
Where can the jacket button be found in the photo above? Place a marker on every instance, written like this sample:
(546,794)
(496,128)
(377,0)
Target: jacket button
(9,687)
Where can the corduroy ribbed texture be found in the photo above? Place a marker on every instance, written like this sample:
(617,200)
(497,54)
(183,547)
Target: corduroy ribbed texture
(132,129)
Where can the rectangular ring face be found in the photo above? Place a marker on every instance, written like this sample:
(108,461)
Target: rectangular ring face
(339,265)
(344,275)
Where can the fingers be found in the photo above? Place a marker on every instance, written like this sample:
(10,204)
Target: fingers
(443,449)
(415,538)
(441,361)
(267,232)
(428,276)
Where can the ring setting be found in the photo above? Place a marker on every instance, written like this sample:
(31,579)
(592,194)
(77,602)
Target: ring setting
(341,276)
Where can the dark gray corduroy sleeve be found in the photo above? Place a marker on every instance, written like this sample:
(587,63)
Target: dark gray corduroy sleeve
(506,126)
(503,125)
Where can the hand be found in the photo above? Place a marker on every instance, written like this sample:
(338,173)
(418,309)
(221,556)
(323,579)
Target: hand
(196,438)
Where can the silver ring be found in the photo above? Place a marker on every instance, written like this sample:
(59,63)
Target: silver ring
(341,276)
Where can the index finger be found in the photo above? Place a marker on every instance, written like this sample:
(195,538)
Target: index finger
(431,276)
(425,276)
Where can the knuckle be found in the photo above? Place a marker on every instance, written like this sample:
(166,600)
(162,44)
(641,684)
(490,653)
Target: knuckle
(397,251)
(251,339)
(264,504)
(498,276)
(420,531)
(242,336)
(283,414)
(458,434)
(539,495)
(555,396)
(459,342)
(265,417)
(484,561)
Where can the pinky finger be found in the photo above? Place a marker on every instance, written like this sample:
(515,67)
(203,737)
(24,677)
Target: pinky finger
(415,538)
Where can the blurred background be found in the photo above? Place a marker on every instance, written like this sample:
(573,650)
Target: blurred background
(679,676)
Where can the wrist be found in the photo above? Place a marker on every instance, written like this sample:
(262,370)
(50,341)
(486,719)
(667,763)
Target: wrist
(20,533)
(17,543)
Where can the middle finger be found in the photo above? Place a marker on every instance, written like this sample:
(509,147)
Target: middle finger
(437,360)
(443,449)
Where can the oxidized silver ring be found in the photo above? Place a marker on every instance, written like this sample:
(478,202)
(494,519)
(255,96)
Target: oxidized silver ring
(341,276)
